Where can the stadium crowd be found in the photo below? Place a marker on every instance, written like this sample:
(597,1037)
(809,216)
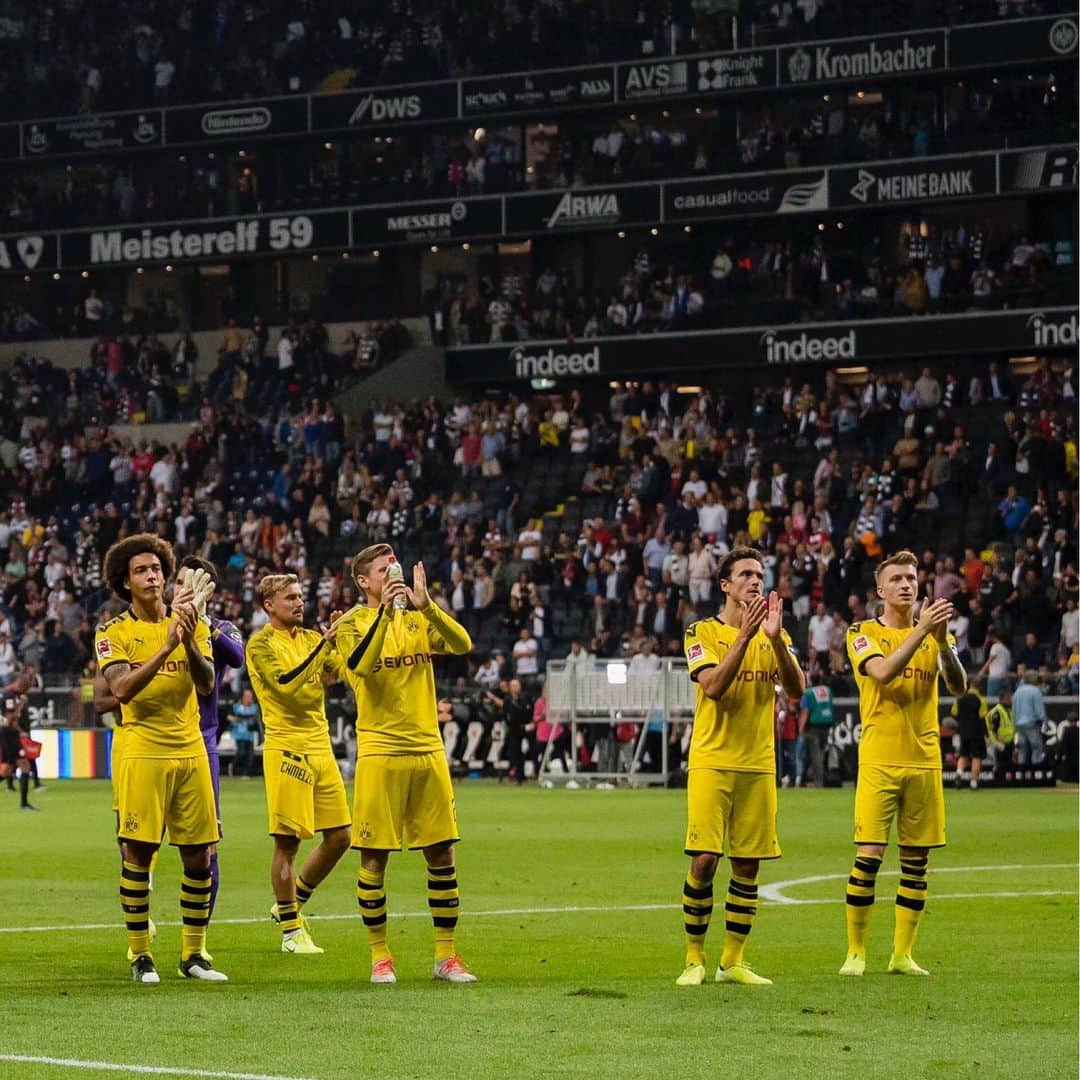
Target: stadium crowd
(545,520)
(757,276)
(87,58)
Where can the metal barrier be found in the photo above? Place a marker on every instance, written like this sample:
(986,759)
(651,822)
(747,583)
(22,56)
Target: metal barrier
(606,693)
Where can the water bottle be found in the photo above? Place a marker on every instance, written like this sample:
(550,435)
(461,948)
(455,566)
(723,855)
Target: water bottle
(395,573)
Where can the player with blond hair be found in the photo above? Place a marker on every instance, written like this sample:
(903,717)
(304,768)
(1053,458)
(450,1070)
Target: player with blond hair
(897,659)
(305,793)
(403,791)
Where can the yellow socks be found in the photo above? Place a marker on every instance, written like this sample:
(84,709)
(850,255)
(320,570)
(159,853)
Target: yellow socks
(135,900)
(859,901)
(195,887)
(443,901)
(740,909)
(910,901)
(371,896)
(697,905)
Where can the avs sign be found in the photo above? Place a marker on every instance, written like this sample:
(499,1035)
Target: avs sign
(750,69)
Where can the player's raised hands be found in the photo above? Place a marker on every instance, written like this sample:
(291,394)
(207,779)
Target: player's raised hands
(754,612)
(329,632)
(418,594)
(774,615)
(185,618)
(935,616)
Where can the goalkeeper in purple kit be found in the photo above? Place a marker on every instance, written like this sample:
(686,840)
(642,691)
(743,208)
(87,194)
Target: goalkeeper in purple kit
(228,652)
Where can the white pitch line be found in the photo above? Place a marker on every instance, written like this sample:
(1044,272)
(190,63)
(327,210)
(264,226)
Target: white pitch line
(773,893)
(155,1070)
(776,891)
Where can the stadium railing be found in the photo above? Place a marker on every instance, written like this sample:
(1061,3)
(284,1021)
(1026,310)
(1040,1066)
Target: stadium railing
(596,696)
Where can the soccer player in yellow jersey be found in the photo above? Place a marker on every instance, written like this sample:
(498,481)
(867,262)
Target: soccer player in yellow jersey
(737,660)
(897,659)
(304,790)
(403,791)
(153,659)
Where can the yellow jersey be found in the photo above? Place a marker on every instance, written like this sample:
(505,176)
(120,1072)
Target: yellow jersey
(162,720)
(290,693)
(736,732)
(393,679)
(899,720)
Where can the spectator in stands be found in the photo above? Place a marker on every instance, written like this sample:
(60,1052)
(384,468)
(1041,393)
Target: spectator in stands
(816,721)
(1029,715)
(244,726)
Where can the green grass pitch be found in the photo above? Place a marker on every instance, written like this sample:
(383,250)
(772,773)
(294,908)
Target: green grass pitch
(570,919)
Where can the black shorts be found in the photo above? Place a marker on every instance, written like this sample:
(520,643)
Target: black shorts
(974,747)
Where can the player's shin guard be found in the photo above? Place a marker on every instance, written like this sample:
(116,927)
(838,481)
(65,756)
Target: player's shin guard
(443,902)
(303,890)
(697,905)
(195,886)
(215,881)
(135,900)
(910,902)
(859,901)
(371,896)
(740,908)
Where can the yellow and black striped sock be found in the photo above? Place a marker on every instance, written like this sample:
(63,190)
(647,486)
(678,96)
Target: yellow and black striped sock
(697,905)
(443,901)
(288,913)
(371,896)
(195,887)
(135,900)
(303,890)
(910,902)
(859,901)
(740,908)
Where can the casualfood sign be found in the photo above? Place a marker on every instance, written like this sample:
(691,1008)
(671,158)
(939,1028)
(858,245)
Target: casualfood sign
(740,196)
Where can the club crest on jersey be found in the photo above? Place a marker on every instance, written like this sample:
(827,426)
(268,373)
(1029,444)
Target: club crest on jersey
(412,625)
(104,648)
(695,652)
